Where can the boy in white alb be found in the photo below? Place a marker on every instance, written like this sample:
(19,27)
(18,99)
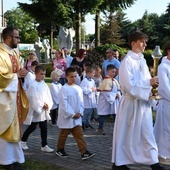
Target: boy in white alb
(54,89)
(30,76)
(88,86)
(133,138)
(98,80)
(108,98)
(162,125)
(41,102)
(70,111)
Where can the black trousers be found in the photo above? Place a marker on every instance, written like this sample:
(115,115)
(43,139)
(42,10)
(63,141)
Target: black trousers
(54,115)
(32,127)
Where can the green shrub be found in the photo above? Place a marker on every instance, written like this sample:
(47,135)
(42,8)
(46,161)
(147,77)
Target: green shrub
(148,57)
(102,49)
(95,58)
(49,69)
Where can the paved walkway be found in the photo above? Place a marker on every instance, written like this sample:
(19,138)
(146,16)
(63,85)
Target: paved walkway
(100,144)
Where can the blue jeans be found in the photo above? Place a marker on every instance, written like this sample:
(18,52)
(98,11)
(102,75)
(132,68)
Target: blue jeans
(87,116)
(102,119)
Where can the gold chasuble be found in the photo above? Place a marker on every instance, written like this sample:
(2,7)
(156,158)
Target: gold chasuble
(13,105)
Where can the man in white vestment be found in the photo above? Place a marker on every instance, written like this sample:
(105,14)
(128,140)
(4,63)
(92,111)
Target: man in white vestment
(13,101)
(133,138)
(162,124)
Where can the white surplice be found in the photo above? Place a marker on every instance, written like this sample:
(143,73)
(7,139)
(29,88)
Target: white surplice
(107,103)
(89,96)
(28,79)
(54,89)
(162,124)
(70,103)
(38,93)
(133,138)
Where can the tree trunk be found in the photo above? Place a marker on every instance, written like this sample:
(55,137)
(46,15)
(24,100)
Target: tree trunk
(78,29)
(97,28)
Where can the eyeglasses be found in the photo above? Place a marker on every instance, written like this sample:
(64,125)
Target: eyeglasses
(108,52)
(17,37)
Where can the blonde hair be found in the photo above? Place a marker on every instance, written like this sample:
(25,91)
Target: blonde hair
(56,73)
(61,52)
(34,55)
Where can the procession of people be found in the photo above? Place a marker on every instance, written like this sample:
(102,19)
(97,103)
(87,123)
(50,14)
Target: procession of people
(80,92)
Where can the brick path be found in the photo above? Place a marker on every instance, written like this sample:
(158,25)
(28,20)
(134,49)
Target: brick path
(100,144)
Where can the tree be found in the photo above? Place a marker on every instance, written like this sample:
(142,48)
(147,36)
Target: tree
(110,6)
(49,14)
(126,26)
(163,26)
(80,9)
(19,19)
(61,12)
(110,32)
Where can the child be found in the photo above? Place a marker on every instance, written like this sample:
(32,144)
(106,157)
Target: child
(79,71)
(41,102)
(133,138)
(98,80)
(88,86)
(69,115)
(109,97)
(30,76)
(54,89)
(97,76)
(85,65)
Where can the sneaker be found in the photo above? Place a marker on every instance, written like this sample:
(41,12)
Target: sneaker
(87,155)
(54,124)
(163,160)
(46,148)
(61,153)
(122,167)
(24,145)
(100,131)
(91,126)
(157,166)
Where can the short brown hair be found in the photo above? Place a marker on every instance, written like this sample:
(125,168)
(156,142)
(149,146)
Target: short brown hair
(135,36)
(166,47)
(90,69)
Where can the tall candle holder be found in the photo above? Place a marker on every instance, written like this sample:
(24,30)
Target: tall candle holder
(156,55)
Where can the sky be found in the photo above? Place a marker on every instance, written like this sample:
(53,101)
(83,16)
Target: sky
(133,13)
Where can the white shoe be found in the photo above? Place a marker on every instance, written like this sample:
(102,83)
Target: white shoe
(46,148)
(24,145)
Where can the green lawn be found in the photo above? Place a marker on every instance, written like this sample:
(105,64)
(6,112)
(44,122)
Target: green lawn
(36,165)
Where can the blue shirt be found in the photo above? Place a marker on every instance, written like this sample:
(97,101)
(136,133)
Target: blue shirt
(107,62)
(68,60)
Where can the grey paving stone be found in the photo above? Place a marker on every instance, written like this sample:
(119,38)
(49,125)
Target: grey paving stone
(100,144)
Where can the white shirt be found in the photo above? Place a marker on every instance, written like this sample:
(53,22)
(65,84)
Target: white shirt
(28,79)
(68,60)
(70,103)
(54,89)
(38,93)
(88,95)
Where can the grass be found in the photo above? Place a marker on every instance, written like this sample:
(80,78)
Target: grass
(38,165)
(48,80)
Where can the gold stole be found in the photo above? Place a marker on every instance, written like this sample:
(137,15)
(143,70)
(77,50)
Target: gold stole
(13,133)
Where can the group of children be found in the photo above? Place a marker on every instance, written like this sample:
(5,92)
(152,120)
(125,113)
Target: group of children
(74,103)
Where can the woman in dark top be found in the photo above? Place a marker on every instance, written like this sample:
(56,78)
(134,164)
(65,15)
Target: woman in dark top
(80,59)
